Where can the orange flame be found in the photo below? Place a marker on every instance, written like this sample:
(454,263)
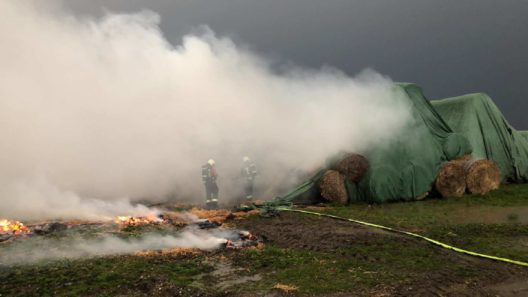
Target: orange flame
(136,221)
(12,227)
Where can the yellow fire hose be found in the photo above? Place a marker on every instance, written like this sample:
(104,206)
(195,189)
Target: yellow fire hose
(435,242)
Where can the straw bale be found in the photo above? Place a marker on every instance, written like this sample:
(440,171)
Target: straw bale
(482,177)
(451,179)
(353,167)
(332,186)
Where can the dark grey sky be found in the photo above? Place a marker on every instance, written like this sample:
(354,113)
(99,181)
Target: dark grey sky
(449,47)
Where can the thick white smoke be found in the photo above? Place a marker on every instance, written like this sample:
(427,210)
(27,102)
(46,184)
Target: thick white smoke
(39,249)
(108,110)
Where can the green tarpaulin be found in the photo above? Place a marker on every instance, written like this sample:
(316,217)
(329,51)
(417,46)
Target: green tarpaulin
(407,167)
(524,134)
(477,118)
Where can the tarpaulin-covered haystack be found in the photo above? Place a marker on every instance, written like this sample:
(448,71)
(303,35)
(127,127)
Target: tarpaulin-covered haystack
(406,168)
(524,134)
(454,146)
(476,117)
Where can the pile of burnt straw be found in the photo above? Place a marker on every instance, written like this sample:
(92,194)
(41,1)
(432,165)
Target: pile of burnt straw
(194,219)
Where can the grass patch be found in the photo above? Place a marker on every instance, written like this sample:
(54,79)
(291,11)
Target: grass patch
(503,240)
(513,217)
(507,195)
(506,205)
(357,268)
(493,224)
(99,276)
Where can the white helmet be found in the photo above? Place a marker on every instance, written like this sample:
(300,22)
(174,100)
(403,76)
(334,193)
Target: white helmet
(211,162)
(246,158)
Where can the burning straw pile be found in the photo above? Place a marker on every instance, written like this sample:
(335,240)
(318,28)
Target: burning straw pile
(220,216)
(463,175)
(11,228)
(174,233)
(137,221)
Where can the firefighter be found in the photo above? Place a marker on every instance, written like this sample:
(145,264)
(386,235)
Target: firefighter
(209,176)
(249,172)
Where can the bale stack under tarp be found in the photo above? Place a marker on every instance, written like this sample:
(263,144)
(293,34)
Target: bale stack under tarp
(482,176)
(457,177)
(332,186)
(451,179)
(403,168)
(491,137)
(353,167)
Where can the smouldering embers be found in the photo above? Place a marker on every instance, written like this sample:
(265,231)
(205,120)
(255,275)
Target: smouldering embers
(242,239)
(138,221)
(25,245)
(234,239)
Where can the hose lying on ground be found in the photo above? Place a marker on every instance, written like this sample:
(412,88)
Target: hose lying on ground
(435,242)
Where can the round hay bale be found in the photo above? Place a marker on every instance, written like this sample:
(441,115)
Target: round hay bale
(332,186)
(451,179)
(482,176)
(353,167)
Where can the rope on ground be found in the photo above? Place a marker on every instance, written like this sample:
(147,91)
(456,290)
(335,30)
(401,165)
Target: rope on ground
(435,242)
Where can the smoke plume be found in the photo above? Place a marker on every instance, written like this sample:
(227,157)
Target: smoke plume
(98,112)
(47,248)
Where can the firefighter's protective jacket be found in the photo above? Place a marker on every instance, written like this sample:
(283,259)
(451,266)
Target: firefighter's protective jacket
(249,171)
(209,174)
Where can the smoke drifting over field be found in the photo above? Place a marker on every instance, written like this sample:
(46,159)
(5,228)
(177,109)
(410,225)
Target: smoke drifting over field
(95,113)
(39,249)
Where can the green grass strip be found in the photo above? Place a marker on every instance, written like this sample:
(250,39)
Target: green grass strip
(435,242)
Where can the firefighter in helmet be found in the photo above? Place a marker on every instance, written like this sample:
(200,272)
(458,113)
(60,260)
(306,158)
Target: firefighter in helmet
(249,172)
(209,176)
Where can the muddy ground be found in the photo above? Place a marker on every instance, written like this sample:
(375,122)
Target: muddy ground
(298,231)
